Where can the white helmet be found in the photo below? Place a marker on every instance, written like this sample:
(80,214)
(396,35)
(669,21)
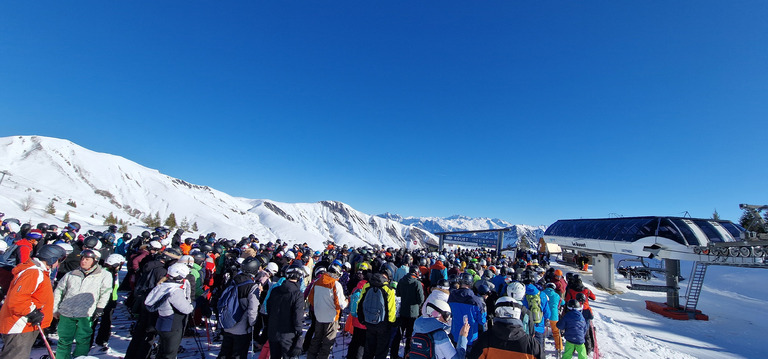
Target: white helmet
(516,290)
(186,259)
(13,226)
(3,246)
(114,259)
(437,309)
(66,246)
(272,268)
(290,254)
(505,308)
(178,271)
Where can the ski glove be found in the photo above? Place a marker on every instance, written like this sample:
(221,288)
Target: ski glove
(294,352)
(35,317)
(97,313)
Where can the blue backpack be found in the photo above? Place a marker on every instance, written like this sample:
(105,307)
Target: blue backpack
(374,306)
(422,346)
(230,310)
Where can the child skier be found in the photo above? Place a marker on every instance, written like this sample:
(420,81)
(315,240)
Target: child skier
(574,329)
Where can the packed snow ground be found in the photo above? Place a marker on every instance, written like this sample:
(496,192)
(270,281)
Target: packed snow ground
(732,297)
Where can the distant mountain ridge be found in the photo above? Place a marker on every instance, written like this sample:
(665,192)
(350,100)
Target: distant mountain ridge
(457,223)
(88,185)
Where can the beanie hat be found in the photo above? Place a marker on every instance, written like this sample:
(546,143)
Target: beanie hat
(35,234)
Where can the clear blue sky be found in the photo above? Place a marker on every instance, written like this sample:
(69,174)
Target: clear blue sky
(529,111)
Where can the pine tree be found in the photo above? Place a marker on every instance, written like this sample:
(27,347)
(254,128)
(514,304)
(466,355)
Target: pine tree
(716,216)
(194,227)
(50,209)
(170,222)
(123,228)
(184,224)
(751,222)
(66,217)
(523,242)
(111,219)
(156,220)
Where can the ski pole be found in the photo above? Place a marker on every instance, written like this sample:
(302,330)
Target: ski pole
(45,340)
(208,332)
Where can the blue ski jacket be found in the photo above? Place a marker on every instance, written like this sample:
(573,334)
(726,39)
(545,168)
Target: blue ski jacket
(464,302)
(574,326)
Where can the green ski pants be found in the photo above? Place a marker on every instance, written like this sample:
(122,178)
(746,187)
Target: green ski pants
(580,349)
(77,329)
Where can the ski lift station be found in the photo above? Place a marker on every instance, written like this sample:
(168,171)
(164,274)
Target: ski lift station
(671,239)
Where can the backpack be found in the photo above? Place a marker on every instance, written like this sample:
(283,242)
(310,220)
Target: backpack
(534,305)
(9,257)
(374,306)
(230,310)
(422,346)
(158,303)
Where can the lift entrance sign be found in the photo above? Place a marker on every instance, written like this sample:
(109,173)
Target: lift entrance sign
(474,242)
(475,239)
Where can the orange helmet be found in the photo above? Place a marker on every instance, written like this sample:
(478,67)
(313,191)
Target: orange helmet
(558,272)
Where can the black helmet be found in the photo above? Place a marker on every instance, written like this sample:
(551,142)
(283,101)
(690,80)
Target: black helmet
(414,270)
(89,253)
(43,227)
(199,257)
(50,254)
(466,279)
(443,283)
(294,272)
(574,304)
(112,228)
(24,229)
(146,234)
(385,271)
(206,248)
(453,278)
(127,237)
(90,242)
(581,297)
(53,228)
(250,265)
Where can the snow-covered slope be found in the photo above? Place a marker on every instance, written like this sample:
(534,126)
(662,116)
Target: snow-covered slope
(462,223)
(42,169)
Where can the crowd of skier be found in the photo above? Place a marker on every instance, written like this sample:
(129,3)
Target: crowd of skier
(254,297)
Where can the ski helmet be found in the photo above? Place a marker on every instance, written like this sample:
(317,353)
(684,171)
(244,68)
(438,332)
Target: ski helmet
(178,271)
(114,260)
(507,308)
(89,253)
(294,272)
(574,304)
(51,254)
(250,265)
(74,227)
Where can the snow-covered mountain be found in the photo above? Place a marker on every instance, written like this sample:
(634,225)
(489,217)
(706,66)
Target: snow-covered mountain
(90,185)
(463,223)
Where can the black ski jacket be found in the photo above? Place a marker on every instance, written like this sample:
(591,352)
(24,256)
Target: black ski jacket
(286,310)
